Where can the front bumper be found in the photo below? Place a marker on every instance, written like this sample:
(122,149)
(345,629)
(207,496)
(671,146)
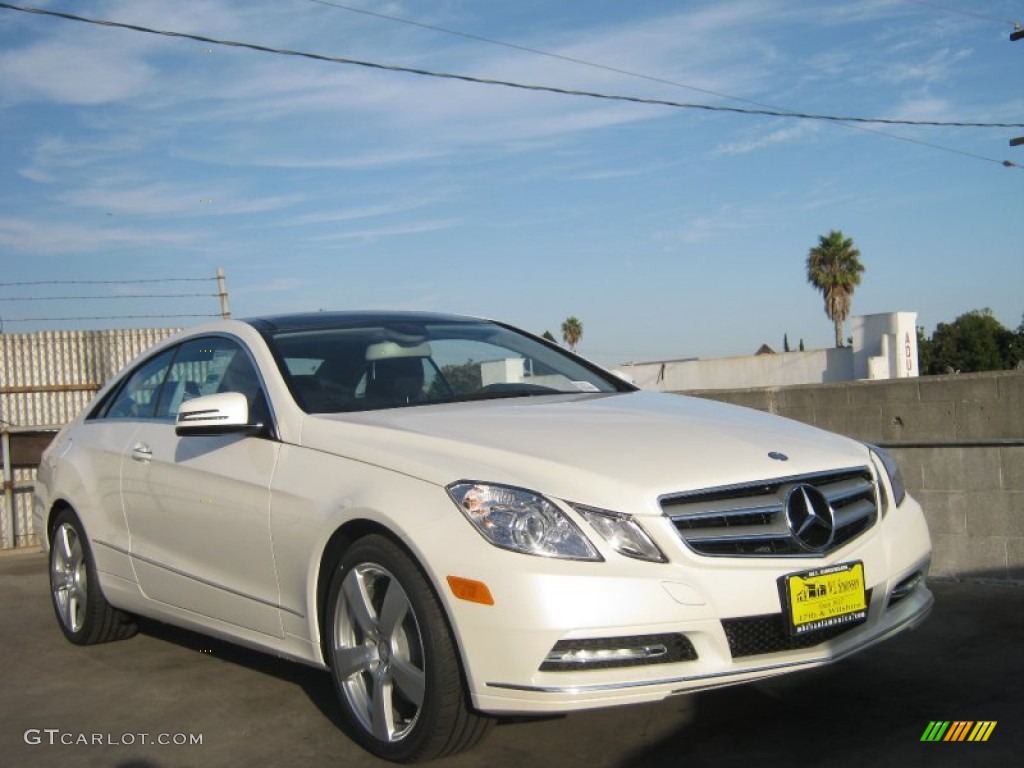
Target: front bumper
(689,677)
(504,646)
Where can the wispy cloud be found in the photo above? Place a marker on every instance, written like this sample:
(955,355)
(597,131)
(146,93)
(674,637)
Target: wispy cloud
(701,228)
(371,234)
(70,73)
(51,156)
(277,285)
(793,131)
(315,158)
(167,199)
(933,67)
(358,212)
(610,174)
(923,107)
(28,236)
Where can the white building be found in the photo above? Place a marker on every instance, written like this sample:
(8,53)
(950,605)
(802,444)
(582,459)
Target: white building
(884,347)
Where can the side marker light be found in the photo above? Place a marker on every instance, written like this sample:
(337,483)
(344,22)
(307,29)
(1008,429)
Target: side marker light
(471,590)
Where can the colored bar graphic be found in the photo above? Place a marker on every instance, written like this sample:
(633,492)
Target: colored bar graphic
(982,730)
(958,730)
(935,731)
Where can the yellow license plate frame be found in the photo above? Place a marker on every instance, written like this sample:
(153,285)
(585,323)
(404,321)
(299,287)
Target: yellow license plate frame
(827,597)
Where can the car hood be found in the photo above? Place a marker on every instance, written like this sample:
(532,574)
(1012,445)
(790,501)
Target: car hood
(602,450)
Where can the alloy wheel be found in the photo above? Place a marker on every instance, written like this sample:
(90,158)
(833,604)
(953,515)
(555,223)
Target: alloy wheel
(378,652)
(68,577)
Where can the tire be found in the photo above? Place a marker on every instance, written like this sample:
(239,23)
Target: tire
(84,615)
(395,666)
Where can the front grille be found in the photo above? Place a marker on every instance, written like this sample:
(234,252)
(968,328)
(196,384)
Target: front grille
(750,520)
(754,635)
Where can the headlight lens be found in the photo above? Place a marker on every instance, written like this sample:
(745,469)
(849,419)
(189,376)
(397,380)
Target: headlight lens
(623,534)
(522,521)
(899,490)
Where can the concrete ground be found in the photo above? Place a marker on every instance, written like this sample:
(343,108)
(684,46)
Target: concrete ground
(965,663)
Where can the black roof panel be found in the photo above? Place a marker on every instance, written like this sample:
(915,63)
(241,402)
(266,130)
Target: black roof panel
(315,320)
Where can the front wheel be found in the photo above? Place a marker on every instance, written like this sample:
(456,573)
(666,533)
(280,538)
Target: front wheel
(83,612)
(393,660)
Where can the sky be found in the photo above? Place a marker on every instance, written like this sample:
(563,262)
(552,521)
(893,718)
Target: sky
(669,232)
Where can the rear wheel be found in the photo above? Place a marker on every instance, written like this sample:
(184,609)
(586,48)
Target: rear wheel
(394,663)
(83,613)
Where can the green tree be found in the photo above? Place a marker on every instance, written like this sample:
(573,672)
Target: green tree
(550,336)
(1017,347)
(834,268)
(785,342)
(572,332)
(975,341)
(924,351)
(457,379)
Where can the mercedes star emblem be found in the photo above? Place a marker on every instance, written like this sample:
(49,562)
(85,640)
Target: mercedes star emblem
(810,517)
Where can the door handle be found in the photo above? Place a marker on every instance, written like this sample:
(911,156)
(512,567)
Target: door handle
(142,452)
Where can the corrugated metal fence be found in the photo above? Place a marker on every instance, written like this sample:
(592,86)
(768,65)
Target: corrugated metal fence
(46,378)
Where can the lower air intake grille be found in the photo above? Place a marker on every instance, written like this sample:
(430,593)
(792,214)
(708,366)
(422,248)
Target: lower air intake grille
(754,635)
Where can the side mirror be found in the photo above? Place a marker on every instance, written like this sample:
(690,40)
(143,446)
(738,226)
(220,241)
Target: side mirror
(226,413)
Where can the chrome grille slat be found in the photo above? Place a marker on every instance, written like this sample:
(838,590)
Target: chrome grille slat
(848,489)
(732,507)
(735,534)
(750,520)
(853,512)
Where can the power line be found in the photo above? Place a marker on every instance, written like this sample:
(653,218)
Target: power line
(965,12)
(652,78)
(537,51)
(118,296)
(113,282)
(512,84)
(96,317)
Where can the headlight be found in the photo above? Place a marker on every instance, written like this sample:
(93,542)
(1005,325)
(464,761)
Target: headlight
(623,534)
(899,490)
(522,521)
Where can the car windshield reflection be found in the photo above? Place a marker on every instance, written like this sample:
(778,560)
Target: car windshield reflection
(394,365)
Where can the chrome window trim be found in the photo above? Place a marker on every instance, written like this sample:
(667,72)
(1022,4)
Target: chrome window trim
(175,348)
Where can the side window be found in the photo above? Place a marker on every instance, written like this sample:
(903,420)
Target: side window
(138,397)
(206,366)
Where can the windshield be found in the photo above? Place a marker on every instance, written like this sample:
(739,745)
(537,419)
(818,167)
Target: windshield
(392,365)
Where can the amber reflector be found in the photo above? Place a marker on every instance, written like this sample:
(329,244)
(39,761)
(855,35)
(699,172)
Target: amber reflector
(468,589)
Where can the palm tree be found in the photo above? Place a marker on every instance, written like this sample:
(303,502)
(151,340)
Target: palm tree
(572,332)
(834,268)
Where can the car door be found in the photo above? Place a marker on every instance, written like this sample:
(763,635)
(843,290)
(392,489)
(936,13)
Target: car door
(104,437)
(198,507)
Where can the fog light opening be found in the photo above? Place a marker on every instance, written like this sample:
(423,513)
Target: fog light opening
(905,587)
(605,653)
(583,656)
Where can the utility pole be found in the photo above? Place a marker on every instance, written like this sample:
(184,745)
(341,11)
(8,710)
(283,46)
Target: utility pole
(222,291)
(1017,34)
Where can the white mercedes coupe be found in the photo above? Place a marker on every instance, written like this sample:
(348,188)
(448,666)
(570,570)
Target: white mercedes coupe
(461,521)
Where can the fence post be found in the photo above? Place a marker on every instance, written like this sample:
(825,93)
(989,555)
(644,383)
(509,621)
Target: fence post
(222,290)
(9,516)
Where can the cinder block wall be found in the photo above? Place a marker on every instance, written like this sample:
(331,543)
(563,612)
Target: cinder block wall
(960,444)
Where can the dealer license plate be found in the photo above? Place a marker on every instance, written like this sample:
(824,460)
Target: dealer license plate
(826,597)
